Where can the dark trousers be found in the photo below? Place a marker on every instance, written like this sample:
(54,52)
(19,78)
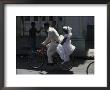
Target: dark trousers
(33,44)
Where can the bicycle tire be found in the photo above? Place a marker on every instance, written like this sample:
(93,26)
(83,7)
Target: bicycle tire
(36,62)
(88,67)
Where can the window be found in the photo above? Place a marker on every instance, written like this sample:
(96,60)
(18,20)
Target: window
(60,18)
(35,18)
(51,18)
(43,18)
(27,18)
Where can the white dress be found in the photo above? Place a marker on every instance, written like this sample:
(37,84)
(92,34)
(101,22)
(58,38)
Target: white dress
(66,49)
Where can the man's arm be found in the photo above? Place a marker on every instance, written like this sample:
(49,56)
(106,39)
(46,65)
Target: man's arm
(47,39)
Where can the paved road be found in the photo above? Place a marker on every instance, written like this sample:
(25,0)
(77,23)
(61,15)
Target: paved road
(80,69)
(23,47)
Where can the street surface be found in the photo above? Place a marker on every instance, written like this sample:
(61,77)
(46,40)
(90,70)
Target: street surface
(22,64)
(80,69)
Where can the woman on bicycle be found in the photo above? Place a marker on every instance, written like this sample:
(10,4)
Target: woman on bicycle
(65,48)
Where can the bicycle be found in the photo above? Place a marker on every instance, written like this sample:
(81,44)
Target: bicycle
(90,68)
(39,60)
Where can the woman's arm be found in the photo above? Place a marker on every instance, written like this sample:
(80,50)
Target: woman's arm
(63,41)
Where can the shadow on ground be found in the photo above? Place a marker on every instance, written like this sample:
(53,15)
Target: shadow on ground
(60,72)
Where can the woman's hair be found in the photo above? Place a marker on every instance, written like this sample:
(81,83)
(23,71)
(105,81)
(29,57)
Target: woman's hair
(67,29)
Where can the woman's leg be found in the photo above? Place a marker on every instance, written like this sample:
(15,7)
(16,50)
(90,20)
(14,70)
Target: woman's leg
(60,51)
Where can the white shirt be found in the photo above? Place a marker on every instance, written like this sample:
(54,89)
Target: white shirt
(53,36)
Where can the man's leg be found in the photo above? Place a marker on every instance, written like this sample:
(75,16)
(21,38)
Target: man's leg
(50,52)
(32,45)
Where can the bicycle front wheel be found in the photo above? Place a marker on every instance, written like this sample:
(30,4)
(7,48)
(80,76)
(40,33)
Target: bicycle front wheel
(37,61)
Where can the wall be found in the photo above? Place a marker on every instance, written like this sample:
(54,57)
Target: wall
(78,24)
(79,31)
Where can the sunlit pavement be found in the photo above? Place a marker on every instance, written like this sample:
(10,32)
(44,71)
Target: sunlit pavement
(81,69)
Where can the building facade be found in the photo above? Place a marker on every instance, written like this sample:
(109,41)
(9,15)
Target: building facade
(82,29)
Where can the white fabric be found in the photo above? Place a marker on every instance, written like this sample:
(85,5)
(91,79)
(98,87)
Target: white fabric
(53,36)
(61,37)
(66,49)
(68,28)
(51,42)
(51,50)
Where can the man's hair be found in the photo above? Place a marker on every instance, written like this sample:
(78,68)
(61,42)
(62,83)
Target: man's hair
(46,24)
